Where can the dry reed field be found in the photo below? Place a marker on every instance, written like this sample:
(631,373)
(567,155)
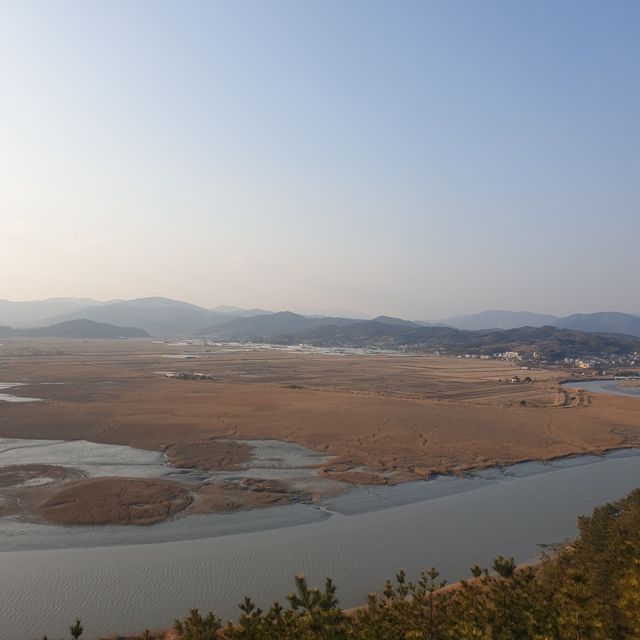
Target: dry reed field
(381,418)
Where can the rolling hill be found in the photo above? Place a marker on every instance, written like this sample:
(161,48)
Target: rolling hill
(601,322)
(34,312)
(554,343)
(157,316)
(607,321)
(397,322)
(272,324)
(167,317)
(87,329)
(239,312)
(497,319)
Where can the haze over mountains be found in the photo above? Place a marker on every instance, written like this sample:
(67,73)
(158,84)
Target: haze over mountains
(157,316)
(552,343)
(87,329)
(273,324)
(494,319)
(166,317)
(34,311)
(606,321)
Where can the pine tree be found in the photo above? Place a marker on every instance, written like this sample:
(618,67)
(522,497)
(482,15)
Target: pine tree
(76,629)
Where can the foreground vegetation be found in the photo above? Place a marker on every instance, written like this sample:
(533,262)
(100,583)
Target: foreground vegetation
(588,590)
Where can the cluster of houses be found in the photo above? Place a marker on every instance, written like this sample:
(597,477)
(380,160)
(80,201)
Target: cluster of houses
(511,356)
(604,363)
(594,364)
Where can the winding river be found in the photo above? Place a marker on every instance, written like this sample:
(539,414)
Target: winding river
(119,579)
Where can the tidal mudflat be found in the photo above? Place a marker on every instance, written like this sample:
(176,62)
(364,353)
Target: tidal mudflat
(359,539)
(81,482)
(381,418)
(9,397)
(360,420)
(409,460)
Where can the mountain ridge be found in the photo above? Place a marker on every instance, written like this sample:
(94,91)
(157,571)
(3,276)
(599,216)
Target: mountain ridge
(263,326)
(157,316)
(599,322)
(554,343)
(162,316)
(81,328)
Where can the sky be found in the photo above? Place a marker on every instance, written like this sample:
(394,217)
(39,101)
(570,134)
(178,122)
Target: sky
(419,159)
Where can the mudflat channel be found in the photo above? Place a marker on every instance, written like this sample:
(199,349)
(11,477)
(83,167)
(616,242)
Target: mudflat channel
(405,416)
(149,576)
(379,417)
(10,397)
(609,387)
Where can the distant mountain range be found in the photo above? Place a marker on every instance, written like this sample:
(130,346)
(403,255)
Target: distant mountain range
(287,324)
(158,316)
(554,343)
(399,322)
(166,317)
(34,311)
(82,328)
(265,326)
(604,322)
(494,319)
(239,312)
(383,332)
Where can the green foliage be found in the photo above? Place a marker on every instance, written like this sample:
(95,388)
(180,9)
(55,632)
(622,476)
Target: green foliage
(76,630)
(195,627)
(590,590)
(504,567)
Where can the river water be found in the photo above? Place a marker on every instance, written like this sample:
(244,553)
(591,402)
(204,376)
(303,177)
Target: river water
(9,397)
(612,387)
(119,579)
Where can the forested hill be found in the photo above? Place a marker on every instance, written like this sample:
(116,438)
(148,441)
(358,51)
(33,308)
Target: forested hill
(553,343)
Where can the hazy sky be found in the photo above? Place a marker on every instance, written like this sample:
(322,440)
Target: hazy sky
(415,158)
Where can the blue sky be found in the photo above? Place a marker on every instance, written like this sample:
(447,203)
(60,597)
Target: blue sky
(415,158)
